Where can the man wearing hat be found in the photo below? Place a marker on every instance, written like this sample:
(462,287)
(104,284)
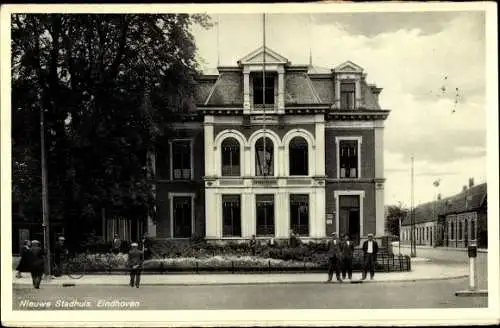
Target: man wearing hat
(334,257)
(348,251)
(37,263)
(135,260)
(60,252)
(370,249)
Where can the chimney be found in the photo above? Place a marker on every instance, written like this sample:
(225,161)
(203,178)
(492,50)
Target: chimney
(439,197)
(471,182)
(464,188)
(375,91)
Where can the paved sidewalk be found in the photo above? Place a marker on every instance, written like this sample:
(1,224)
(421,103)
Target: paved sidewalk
(421,270)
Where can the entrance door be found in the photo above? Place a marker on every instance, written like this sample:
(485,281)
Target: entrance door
(349,217)
(182,216)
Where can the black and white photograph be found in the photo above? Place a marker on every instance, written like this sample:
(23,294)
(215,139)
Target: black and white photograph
(314,164)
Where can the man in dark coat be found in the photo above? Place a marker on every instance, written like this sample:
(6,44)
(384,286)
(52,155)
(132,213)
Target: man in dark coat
(146,246)
(116,244)
(347,253)
(60,252)
(24,262)
(370,249)
(135,260)
(334,257)
(37,264)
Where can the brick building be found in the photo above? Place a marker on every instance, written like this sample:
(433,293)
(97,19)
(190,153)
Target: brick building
(454,221)
(299,149)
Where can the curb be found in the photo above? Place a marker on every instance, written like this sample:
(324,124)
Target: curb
(255,283)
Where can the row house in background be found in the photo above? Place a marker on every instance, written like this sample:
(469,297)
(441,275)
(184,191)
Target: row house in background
(455,221)
(297,150)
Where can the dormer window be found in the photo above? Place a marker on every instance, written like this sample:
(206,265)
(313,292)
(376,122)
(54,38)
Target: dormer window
(263,89)
(347,95)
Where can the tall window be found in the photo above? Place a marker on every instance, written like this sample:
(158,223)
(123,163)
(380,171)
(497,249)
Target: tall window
(182,217)
(452,230)
(264,161)
(259,86)
(231,216)
(299,214)
(265,215)
(347,95)
(181,160)
(298,159)
(348,153)
(460,230)
(230,157)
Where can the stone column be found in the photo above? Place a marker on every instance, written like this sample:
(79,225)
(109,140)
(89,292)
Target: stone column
(281,90)
(280,167)
(379,178)
(319,213)
(249,162)
(246,90)
(319,150)
(210,214)
(282,222)
(208,128)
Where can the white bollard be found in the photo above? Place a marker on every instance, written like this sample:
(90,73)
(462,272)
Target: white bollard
(472,273)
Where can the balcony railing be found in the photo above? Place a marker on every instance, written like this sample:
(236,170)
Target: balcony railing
(265,230)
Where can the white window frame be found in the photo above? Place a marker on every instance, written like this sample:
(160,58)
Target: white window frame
(171,196)
(221,212)
(275,200)
(309,223)
(359,140)
(277,151)
(170,143)
(223,135)
(361,194)
(311,147)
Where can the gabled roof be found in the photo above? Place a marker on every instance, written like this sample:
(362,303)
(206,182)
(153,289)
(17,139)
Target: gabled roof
(469,200)
(348,67)
(257,57)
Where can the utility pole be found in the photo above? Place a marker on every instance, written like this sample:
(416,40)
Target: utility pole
(412,213)
(45,201)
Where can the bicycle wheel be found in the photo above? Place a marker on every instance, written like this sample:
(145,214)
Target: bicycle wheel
(76,270)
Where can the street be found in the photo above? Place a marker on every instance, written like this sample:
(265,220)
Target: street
(419,294)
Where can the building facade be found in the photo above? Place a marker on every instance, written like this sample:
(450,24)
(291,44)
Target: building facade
(273,148)
(456,221)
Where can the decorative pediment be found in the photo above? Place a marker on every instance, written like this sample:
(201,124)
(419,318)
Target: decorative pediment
(348,67)
(256,57)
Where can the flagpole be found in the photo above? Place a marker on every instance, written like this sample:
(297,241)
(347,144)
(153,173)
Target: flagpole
(45,200)
(264,87)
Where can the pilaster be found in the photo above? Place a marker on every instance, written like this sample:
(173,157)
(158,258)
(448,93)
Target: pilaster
(246,90)
(319,150)
(282,223)
(281,90)
(208,128)
(211,210)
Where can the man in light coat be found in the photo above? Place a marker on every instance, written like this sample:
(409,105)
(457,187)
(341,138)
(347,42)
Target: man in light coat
(135,260)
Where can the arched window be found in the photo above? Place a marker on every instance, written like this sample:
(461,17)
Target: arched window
(264,159)
(230,152)
(298,159)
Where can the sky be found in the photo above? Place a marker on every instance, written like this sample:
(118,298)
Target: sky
(431,66)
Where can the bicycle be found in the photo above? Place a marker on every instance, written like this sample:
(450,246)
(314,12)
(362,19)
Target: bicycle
(72,267)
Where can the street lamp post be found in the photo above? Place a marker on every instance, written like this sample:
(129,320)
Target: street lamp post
(45,202)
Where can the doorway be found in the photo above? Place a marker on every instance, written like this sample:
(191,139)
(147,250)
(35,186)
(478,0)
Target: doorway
(349,217)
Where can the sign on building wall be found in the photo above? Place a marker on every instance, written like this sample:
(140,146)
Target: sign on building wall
(329,218)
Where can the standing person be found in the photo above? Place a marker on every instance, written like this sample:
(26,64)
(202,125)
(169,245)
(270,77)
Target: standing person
(135,260)
(24,262)
(60,251)
(116,244)
(334,257)
(253,244)
(348,251)
(146,246)
(37,264)
(370,249)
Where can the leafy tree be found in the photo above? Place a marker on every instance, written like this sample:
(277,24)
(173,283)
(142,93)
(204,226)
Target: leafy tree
(108,86)
(394,214)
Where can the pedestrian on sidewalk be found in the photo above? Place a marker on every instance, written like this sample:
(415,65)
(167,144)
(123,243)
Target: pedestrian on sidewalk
(253,245)
(135,260)
(370,249)
(116,244)
(60,253)
(334,257)
(24,262)
(37,265)
(348,251)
